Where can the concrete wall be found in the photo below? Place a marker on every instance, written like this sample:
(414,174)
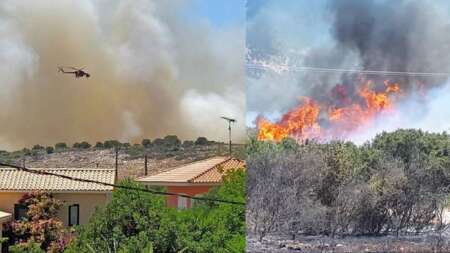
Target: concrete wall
(172,201)
(87,201)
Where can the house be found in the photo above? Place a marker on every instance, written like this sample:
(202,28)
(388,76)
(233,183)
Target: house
(80,198)
(192,179)
(4,217)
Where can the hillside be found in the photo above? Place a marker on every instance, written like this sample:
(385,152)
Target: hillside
(161,157)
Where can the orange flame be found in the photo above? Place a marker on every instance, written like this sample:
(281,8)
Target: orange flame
(302,122)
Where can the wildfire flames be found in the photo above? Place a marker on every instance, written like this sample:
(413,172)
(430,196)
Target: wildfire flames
(314,120)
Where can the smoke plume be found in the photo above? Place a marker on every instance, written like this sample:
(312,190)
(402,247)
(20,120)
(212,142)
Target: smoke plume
(153,72)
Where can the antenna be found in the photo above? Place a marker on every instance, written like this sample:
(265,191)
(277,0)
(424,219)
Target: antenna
(230,120)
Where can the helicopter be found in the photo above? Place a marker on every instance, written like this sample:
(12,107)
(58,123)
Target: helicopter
(77,72)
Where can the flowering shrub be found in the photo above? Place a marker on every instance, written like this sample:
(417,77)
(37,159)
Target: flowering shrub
(41,227)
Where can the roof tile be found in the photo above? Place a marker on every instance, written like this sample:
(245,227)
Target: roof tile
(15,180)
(204,171)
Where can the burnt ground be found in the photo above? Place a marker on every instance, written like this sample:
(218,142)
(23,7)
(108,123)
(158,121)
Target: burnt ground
(313,244)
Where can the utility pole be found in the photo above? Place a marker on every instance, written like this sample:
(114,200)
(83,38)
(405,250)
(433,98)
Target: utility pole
(145,161)
(117,161)
(230,120)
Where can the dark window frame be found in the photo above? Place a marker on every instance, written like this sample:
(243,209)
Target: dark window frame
(70,215)
(17,207)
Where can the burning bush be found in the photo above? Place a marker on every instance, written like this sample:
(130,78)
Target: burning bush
(393,184)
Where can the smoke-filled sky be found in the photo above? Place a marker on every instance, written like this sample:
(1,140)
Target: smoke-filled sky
(381,35)
(157,68)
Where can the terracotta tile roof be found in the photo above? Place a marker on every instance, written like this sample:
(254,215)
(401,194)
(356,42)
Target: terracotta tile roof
(205,171)
(15,180)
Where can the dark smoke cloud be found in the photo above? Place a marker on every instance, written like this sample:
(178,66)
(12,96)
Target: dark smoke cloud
(399,35)
(381,35)
(153,73)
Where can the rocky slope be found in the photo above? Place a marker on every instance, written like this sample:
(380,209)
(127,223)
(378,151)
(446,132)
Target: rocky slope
(130,159)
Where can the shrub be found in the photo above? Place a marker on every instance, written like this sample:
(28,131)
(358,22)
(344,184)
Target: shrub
(146,143)
(158,142)
(26,151)
(41,228)
(130,220)
(60,145)
(85,145)
(99,145)
(49,150)
(187,144)
(37,147)
(393,184)
(201,141)
(140,222)
(172,141)
(111,144)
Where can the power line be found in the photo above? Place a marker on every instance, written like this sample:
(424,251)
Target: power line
(287,68)
(41,172)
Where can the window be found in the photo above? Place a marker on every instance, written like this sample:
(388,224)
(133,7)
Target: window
(20,211)
(74,215)
(195,202)
(182,202)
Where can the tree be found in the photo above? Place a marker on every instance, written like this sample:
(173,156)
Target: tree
(49,150)
(201,141)
(84,145)
(60,145)
(26,151)
(41,227)
(172,141)
(158,142)
(130,221)
(140,222)
(146,143)
(37,147)
(216,227)
(99,145)
(187,144)
(111,144)
(392,184)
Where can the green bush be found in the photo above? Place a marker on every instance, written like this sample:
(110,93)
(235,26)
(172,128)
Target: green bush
(111,144)
(146,143)
(85,145)
(26,151)
(201,141)
(187,144)
(60,146)
(49,150)
(99,145)
(37,147)
(172,141)
(158,142)
(140,222)
(130,217)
